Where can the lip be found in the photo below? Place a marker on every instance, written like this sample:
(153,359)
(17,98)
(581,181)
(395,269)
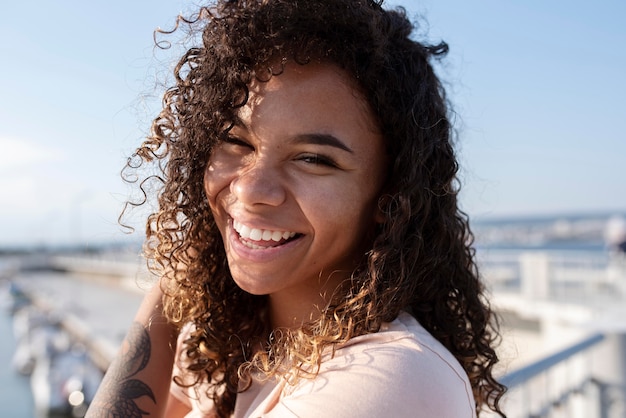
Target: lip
(259,255)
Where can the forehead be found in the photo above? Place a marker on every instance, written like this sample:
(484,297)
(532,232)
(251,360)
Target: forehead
(307,91)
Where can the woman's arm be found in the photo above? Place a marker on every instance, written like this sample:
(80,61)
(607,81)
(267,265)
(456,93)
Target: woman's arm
(137,382)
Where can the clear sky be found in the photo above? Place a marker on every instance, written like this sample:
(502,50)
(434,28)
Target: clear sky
(538,88)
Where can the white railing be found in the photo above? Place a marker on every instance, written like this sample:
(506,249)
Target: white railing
(567,293)
(554,274)
(559,385)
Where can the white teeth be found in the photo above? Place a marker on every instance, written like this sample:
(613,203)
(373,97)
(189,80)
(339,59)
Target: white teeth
(242,229)
(255,234)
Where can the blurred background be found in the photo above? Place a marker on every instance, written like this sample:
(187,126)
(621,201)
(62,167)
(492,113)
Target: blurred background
(540,103)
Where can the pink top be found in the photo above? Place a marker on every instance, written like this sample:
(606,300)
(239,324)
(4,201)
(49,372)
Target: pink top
(400,371)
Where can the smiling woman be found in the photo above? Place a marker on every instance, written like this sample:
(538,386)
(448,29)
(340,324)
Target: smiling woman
(312,255)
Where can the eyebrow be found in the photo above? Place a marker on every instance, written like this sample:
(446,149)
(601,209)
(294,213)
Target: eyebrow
(322,139)
(309,138)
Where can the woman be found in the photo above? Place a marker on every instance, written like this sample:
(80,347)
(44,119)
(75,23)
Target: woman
(313,257)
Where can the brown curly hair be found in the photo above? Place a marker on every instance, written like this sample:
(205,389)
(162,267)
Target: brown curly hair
(421,259)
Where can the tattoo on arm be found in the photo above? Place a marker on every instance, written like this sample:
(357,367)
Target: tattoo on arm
(120,389)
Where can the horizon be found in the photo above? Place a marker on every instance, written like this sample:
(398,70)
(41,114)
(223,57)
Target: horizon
(134,242)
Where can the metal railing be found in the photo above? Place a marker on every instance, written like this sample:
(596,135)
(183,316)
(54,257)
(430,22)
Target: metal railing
(559,385)
(524,374)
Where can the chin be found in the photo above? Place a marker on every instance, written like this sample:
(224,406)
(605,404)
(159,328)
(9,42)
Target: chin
(251,286)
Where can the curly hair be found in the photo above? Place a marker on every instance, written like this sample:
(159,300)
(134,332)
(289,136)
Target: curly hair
(421,259)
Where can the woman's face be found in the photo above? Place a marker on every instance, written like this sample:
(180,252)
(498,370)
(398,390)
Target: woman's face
(294,188)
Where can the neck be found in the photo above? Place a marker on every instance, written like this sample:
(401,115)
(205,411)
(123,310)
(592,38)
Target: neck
(288,311)
(292,307)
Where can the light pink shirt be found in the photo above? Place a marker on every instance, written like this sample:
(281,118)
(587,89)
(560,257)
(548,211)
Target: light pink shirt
(400,371)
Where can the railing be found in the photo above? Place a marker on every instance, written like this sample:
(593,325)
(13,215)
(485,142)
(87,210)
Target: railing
(524,374)
(554,274)
(565,293)
(560,385)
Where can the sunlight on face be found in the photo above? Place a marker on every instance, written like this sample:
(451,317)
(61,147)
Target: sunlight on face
(294,189)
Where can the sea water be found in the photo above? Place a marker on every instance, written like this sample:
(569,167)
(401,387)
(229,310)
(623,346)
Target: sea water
(16,400)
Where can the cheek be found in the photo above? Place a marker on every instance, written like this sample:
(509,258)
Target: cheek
(220,172)
(347,208)
(216,179)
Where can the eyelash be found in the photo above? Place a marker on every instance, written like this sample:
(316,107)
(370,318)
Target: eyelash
(236,141)
(318,159)
(314,159)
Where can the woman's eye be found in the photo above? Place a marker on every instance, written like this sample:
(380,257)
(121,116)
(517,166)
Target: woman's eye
(233,140)
(317,159)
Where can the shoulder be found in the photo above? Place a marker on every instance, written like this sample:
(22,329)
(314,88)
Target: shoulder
(401,371)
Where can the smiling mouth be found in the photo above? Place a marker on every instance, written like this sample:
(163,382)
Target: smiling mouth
(259,239)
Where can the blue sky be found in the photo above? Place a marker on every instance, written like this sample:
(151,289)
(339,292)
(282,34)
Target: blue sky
(538,88)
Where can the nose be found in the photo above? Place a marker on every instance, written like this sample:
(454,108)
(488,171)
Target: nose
(259,184)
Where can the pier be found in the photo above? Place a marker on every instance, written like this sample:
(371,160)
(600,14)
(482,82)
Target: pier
(95,301)
(71,314)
